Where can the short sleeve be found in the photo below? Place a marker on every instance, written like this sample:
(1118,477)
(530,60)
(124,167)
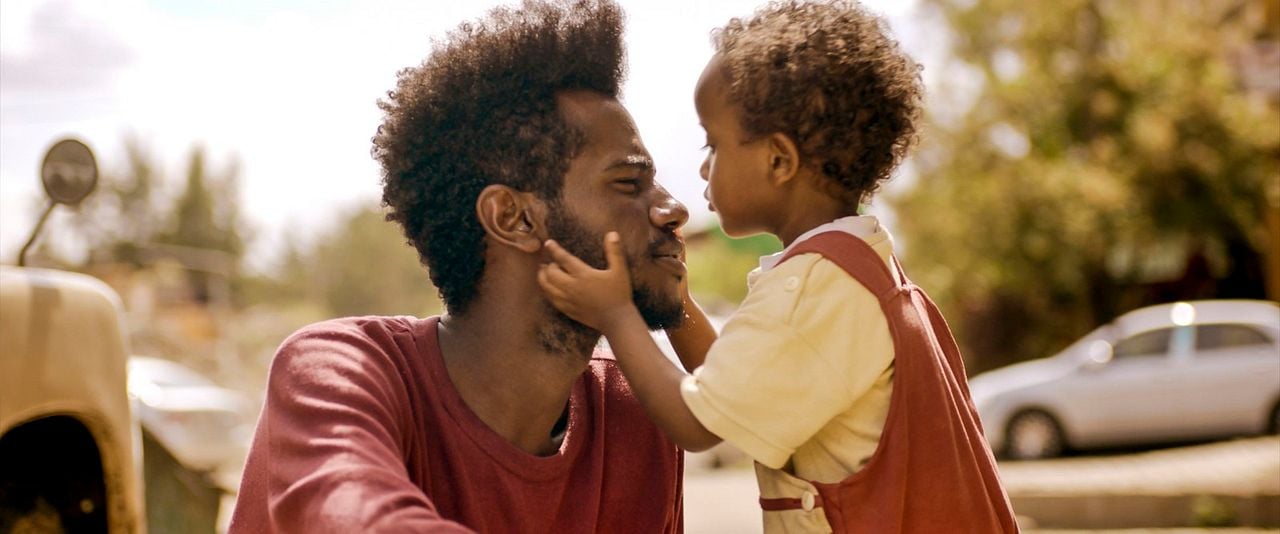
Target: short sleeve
(806,343)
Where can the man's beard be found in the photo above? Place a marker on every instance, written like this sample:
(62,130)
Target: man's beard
(565,333)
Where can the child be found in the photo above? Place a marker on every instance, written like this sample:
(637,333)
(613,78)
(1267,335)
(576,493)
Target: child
(836,374)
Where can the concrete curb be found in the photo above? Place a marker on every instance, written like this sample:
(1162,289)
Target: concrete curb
(1146,511)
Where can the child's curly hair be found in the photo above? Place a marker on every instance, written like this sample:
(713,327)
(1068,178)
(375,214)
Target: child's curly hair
(481,110)
(828,75)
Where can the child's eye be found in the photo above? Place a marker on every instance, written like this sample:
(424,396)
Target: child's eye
(709,147)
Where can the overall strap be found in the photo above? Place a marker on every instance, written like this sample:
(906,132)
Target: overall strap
(853,255)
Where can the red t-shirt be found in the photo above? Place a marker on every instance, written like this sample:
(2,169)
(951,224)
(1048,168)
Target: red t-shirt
(363,431)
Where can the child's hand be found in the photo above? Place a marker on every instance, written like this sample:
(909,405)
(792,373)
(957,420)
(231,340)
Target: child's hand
(590,296)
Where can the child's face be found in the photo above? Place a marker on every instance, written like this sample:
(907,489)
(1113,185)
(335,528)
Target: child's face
(736,169)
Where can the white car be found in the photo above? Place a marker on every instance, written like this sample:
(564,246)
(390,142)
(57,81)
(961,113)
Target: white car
(202,424)
(1172,372)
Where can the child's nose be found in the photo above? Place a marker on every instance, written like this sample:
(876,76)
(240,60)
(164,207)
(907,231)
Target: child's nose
(705,170)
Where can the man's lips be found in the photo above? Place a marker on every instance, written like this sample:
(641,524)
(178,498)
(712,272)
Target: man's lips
(671,263)
(667,255)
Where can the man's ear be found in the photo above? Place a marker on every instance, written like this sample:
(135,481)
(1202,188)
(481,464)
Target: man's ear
(784,158)
(510,217)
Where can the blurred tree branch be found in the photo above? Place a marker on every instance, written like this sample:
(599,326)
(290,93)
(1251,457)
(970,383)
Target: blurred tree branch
(1109,158)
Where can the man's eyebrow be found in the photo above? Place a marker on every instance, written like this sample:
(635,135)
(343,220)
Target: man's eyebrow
(633,160)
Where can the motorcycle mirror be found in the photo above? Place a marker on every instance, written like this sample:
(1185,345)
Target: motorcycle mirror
(69,172)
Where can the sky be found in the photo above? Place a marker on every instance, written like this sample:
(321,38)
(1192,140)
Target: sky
(288,89)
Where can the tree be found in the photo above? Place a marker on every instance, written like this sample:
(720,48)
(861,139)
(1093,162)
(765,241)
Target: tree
(1108,160)
(362,266)
(122,215)
(205,229)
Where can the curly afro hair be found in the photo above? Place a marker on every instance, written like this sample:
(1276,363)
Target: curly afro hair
(828,75)
(481,110)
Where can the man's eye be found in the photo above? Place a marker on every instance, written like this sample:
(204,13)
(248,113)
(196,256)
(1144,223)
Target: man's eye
(630,185)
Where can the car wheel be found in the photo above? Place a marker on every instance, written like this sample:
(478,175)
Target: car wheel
(1273,427)
(1032,435)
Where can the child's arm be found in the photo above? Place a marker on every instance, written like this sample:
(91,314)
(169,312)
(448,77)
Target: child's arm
(602,300)
(693,338)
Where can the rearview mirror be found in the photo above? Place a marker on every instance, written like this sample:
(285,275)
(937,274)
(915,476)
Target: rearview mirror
(69,173)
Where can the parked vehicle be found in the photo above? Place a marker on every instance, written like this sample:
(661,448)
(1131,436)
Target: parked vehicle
(73,456)
(202,424)
(69,446)
(1172,372)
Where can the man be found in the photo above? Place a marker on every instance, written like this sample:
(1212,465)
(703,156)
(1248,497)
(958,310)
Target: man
(499,416)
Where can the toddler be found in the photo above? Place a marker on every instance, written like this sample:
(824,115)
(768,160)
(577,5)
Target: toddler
(837,375)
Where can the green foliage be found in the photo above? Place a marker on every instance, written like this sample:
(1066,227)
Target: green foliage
(1107,142)
(122,214)
(206,215)
(362,266)
(128,221)
(718,266)
(128,214)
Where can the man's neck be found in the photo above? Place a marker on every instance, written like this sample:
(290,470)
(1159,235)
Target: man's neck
(500,361)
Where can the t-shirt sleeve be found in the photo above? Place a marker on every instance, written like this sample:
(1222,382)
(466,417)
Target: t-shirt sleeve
(786,363)
(331,439)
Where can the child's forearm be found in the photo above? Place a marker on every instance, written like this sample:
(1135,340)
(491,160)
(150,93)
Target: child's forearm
(656,383)
(693,338)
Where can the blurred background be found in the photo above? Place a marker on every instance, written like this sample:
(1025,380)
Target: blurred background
(1081,159)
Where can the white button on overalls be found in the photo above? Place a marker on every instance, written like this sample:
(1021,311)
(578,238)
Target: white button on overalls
(807,501)
(791,284)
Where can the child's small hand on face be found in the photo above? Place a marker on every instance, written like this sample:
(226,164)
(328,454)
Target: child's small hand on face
(590,296)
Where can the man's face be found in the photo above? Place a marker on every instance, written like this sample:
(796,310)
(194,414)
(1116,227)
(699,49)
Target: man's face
(610,187)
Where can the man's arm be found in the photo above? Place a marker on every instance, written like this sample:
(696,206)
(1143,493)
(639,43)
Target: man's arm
(327,454)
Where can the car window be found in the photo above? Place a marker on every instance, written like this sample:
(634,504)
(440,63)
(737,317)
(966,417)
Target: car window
(1153,342)
(1221,336)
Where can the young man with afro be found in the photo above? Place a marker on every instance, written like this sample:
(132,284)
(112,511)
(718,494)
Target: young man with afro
(501,415)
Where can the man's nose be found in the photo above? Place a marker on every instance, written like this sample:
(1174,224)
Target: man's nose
(667,212)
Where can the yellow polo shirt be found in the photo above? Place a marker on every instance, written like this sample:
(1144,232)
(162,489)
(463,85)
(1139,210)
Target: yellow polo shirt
(801,375)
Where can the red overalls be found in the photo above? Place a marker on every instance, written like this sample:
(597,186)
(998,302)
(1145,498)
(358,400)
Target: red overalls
(932,471)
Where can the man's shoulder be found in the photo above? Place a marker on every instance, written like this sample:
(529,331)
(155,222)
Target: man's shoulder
(374,329)
(351,343)
(360,326)
(604,365)
(604,375)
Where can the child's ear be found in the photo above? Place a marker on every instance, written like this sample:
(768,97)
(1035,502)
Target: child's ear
(511,217)
(784,158)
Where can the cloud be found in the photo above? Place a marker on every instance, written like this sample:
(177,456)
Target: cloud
(65,50)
